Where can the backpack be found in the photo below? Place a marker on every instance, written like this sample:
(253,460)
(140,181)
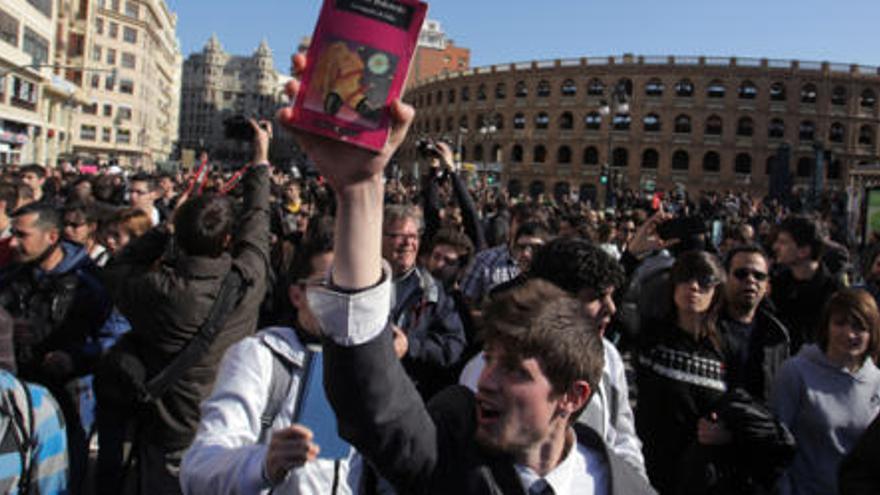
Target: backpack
(17,432)
(279,387)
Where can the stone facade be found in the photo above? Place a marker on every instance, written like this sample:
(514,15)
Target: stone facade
(126,57)
(36,106)
(217,86)
(702,123)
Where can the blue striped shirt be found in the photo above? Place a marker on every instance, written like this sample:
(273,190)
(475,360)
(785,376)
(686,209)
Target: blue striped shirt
(48,457)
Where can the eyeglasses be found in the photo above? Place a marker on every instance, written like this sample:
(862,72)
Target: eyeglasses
(402,236)
(743,273)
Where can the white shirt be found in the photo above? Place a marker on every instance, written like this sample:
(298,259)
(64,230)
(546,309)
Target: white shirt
(581,471)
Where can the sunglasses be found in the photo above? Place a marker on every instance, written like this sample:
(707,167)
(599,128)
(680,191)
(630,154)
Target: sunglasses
(706,282)
(743,273)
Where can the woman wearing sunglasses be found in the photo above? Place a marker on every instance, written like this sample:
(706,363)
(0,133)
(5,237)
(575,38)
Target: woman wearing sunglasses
(680,369)
(829,393)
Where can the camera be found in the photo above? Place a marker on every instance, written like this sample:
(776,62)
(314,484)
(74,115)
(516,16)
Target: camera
(427,148)
(238,128)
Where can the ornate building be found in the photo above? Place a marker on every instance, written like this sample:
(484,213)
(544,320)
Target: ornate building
(36,106)
(126,57)
(217,86)
(693,122)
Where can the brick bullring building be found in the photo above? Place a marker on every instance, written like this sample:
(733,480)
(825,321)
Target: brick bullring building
(696,122)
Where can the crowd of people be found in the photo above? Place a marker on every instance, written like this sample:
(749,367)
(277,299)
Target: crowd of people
(158,334)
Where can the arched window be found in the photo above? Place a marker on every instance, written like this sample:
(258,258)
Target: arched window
(868,99)
(807,131)
(651,122)
(496,154)
(481,121)
(627,85)
(716,89)
(595,87)
(714,125)
(563,155)
(838,96)
(777,92)
(805,167)
(748,90)
(569,88)
(451,95)
(543,89)
(866,135)
(620,157)
(478,153)
(516,155)
(542,120)
(681,160)
(540,154)
(519,121)
(428,99)
(498,121)
(439,97)
(683,124)
(521,90)
(684,88)
(711,162)
(809,93)
(834,169)
(514,187)
(621,122)
(743,164)
(536,188)
(591,155)
(745,127)
(836,133)
(650,158)
(449,124)
(654,87)
(593,121)
(466,93)
(463,122)
(481,92)
(566,121)
(500,91)
(776,129)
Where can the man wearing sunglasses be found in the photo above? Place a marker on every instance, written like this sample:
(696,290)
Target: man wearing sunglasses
(755,341)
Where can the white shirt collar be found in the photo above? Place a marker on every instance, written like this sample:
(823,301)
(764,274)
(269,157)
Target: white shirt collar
(560,477)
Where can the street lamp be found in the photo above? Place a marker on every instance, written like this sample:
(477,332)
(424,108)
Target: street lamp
(617,106)
(487,132)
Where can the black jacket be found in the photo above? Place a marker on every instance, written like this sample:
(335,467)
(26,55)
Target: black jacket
(768,349)
(428,449)
(799,304)
(167,305)
(65,308)
(430,318)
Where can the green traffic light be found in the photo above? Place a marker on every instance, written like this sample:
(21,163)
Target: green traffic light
(603,179)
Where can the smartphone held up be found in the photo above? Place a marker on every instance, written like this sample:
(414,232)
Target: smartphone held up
(358,63)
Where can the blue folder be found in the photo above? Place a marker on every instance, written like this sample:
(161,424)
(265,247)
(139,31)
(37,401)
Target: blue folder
(313,409)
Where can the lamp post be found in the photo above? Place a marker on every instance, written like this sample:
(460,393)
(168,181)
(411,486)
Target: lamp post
(487,132)
(617,106)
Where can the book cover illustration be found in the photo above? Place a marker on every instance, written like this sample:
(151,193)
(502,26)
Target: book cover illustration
(357,65)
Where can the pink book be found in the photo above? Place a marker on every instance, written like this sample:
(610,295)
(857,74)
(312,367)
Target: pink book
(358,61)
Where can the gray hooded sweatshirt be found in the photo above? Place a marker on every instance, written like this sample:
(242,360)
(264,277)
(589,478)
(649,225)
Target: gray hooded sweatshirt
(827,408)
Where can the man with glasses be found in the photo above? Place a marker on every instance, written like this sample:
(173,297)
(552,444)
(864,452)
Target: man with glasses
(142,194)
(421,308)
(755,341)
(504,263)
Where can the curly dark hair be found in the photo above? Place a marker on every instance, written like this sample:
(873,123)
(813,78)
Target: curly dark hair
(575,264)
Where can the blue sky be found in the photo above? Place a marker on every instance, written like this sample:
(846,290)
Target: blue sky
(501,31)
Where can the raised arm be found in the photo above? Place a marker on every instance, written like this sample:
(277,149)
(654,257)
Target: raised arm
(376,405)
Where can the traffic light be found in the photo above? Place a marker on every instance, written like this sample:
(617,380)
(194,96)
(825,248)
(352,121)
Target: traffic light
(603,176)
